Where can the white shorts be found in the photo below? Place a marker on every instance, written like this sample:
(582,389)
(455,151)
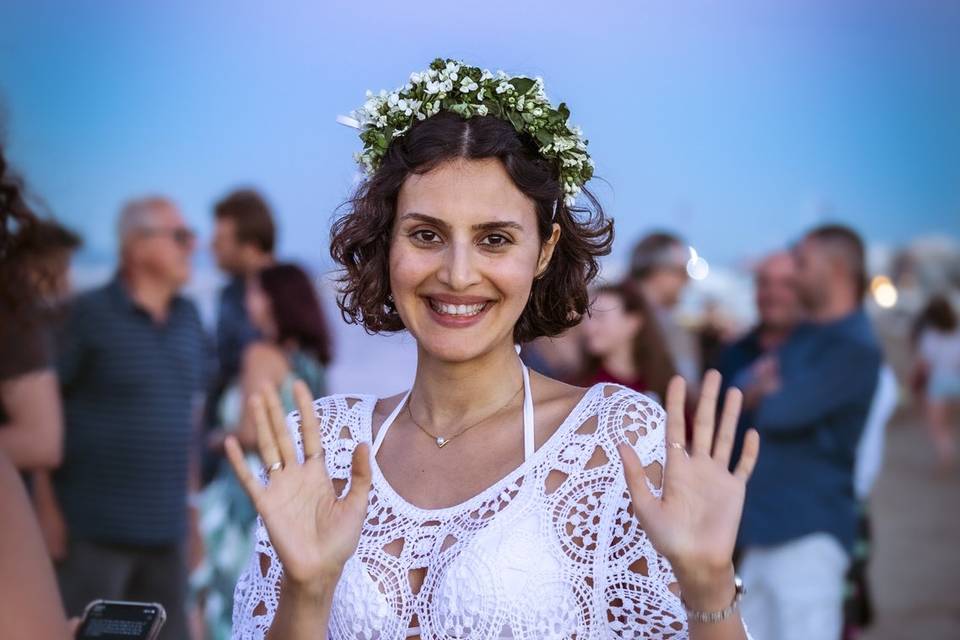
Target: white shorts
(794,591)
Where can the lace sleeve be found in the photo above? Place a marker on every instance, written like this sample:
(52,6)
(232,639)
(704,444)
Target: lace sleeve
(257,593)
(634,580)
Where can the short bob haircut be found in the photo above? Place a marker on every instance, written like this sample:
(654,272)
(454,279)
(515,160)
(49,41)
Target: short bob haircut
(360,238)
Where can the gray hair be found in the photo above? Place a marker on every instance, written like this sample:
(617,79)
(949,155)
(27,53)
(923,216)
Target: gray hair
(139,214)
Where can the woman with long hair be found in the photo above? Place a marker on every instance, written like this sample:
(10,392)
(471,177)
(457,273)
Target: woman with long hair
(938,363)
(487,501)
(624,345)
(282,303)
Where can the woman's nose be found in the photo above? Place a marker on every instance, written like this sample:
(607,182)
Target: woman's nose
(459,269)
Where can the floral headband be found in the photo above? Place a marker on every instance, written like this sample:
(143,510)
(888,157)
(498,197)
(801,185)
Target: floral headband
(450,85)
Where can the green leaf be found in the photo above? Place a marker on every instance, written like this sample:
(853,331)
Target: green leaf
(522,85)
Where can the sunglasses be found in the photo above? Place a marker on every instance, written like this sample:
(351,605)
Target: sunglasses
(181,235)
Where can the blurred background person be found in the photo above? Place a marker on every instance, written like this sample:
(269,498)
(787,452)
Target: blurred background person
(810,406)
(623,342)
(658,265)
(31,422)
(778,312)
(937,362)
(130,364)
(283,307)
(244,238)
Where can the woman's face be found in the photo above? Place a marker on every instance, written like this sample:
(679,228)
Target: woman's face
(609,327)
(463,256)
(259,309)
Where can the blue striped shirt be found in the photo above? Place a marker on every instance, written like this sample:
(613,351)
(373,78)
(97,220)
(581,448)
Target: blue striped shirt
(131,388)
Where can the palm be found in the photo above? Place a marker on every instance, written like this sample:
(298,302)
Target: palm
(313,531)
(694,523)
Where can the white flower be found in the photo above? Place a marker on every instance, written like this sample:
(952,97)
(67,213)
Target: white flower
(520,102)
(538,112)
(486,75)
(482,110)
(432,87)
(503,87)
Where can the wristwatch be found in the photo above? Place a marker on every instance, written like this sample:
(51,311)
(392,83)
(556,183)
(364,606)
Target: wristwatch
(717,616)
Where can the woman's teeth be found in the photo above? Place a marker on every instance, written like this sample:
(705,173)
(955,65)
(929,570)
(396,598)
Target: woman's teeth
(463,310)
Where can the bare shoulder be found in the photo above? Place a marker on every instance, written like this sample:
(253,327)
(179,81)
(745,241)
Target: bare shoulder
(382,409)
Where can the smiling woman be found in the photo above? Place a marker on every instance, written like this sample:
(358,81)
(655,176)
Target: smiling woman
(521,182)
(491,502)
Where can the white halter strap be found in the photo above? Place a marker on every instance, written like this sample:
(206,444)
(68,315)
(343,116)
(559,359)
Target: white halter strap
(528,423)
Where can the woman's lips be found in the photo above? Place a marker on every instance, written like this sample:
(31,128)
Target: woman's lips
(456,315)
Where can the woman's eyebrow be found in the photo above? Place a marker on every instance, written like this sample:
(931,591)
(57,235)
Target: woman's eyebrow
(482,226)
(497,224)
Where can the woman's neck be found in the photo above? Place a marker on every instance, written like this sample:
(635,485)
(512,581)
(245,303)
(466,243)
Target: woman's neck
(447,395)
(619,362)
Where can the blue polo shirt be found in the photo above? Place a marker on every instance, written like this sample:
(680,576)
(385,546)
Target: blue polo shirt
(809,432)
(131,390)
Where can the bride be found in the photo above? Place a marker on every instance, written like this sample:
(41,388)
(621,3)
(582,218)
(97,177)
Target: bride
(487,501)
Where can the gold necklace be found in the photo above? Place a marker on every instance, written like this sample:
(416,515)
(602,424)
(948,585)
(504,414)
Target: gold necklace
(440,440)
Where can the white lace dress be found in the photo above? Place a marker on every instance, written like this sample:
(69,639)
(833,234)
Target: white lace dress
(550,551)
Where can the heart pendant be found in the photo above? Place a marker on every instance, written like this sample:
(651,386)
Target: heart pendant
(441,441)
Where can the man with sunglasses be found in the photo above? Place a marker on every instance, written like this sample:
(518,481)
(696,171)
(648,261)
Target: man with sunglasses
(131,363)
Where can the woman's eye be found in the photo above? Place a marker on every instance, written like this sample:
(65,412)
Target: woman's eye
(425,236)
(496,240)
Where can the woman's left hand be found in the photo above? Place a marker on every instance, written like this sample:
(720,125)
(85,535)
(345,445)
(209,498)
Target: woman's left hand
(694,523)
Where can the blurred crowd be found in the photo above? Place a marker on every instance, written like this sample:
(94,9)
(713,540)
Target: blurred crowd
(115,402)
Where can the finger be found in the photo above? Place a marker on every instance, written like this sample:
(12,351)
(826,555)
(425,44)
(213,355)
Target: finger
(728,426)
(266,443)
(278,423)
(643,499)
(705,420)
(361,478)
(309,425)
(676,423)
(748,459)
(248,481)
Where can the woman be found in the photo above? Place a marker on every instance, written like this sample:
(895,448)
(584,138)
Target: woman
(283,306)
(624,344)
(938,362)
(492,501)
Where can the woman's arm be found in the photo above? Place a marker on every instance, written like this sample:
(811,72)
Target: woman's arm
(30,607)
(690,510)
(263,365)
(33,436)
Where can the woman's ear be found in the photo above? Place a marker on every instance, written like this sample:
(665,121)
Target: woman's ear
(546,250)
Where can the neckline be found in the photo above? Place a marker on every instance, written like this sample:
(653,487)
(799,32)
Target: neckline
(381,481)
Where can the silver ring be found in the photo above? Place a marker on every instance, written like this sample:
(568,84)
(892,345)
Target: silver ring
(276,466)
(677,445)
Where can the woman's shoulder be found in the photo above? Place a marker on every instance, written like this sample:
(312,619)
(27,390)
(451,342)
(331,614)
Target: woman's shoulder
(626,415)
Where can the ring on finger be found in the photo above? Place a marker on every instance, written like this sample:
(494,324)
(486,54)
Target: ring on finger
(678,445)
(276,466)
(315,456)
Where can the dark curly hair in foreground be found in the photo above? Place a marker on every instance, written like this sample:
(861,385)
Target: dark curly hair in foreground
(360,239)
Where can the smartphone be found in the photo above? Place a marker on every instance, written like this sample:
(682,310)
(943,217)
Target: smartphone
(116,620)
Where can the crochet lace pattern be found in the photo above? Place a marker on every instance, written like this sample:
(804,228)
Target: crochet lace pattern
(552,550)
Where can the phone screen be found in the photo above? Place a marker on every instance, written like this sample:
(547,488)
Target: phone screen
(106,620)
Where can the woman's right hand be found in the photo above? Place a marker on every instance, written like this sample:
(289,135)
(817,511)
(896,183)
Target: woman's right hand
(312,530)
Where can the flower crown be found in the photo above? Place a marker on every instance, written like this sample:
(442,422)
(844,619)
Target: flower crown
(450,85)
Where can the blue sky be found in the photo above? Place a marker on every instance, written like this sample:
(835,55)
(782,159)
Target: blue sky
(737,123)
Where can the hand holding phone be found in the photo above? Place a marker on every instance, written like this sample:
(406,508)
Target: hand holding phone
(117,620)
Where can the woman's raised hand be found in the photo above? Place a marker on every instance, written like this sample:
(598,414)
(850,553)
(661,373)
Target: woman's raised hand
(312,530)
(694,523)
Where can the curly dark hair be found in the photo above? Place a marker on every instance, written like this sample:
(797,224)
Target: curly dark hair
(360,238)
